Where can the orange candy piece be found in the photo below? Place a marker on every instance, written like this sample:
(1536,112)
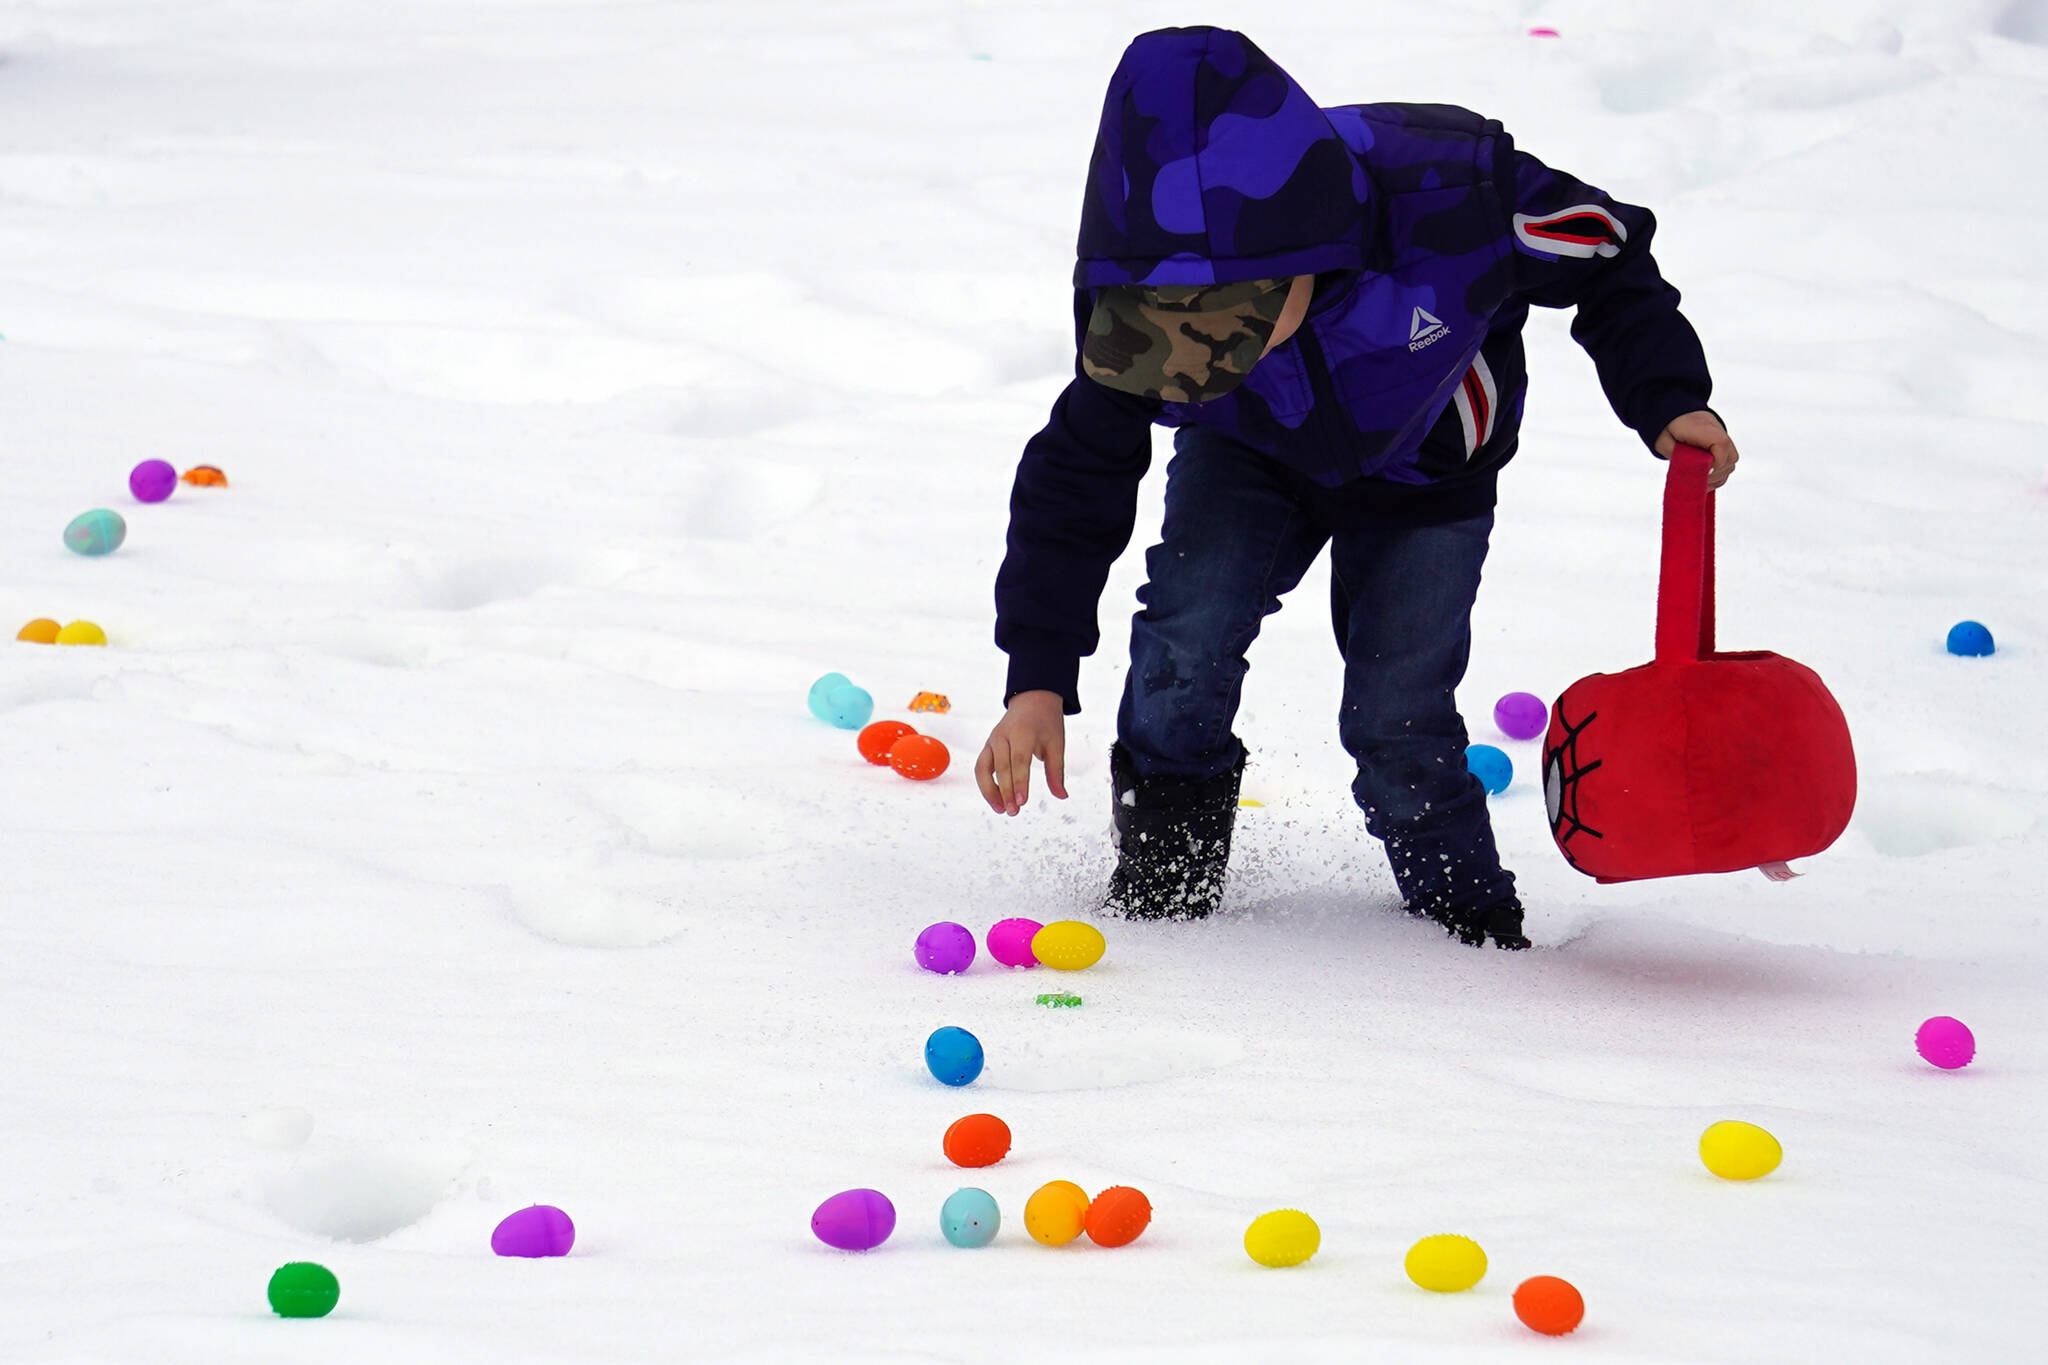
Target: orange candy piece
(875,740)
(919,757)
(930,701)
(977,1140)
(204,476)
(1549,1305)
(1117,1216)
(41,631)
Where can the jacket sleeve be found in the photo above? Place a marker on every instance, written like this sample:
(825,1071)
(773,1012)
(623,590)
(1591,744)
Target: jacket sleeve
(1576,247)
(1072,508)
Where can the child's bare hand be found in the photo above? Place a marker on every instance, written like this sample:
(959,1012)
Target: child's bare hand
(1704,430)
(1034,726)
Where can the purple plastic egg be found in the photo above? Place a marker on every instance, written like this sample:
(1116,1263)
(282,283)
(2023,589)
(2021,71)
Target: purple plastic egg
(945,948)
(1947,1043)
(1521,715)
(1010,942)
(152,480)
(542,1230)
(855,1220)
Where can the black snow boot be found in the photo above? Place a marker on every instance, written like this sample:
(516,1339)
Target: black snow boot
(1172,841)
(1500,922)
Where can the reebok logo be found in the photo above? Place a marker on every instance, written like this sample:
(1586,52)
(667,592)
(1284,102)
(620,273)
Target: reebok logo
(1424,329)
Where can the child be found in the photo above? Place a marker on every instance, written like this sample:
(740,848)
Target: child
(1327,305)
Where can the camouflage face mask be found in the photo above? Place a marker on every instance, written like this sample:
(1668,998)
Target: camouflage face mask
(1182,344)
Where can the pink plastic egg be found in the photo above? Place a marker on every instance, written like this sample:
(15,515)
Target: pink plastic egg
(541,1230)
(1947,1043)
(855,1220)
(1010,942)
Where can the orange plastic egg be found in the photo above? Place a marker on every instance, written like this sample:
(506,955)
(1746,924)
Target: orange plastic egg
(977,1140)
(1549,1305)
(875,741)
(205,476)
(1117,1216)
(919,757)
(41,631)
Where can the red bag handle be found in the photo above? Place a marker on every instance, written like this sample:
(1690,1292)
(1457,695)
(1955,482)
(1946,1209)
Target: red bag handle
(1685,587)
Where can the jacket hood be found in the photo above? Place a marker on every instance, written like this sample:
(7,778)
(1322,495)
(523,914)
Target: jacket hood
(1212,166)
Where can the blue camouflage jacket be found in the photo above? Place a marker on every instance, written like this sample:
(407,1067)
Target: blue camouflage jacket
(1401,394)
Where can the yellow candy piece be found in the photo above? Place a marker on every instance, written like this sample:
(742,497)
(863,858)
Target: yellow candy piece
(1053,1215)
(81,633)
(1283,1237)
(1446,1263)
(41,631)
(1739,1151)
(1068,944)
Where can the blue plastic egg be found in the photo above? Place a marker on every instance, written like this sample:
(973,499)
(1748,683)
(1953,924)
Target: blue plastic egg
(823,688)
(1969,639)
(98,532)
(970,1218)
(848,707)
(1492,767)
(954,1055)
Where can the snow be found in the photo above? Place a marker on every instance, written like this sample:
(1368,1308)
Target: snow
(443,830)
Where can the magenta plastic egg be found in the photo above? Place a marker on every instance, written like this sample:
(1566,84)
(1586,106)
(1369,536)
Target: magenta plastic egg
(946,947)
(855,1220)
(1945,1042)
(1521,715)
(152,480)
(1010,942)
(541,1230)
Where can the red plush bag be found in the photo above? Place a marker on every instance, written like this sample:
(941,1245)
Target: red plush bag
(1698,761)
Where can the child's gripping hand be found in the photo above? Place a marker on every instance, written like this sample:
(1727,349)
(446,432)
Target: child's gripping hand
(1704,430)
(1033,726)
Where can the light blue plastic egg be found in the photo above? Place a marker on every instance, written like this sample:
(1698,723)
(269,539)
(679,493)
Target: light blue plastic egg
(1492,767)
(969,1218)
(848,707)
(823,688)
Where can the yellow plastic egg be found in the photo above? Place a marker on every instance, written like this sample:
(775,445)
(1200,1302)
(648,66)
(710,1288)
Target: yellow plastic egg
(1053,1215)
(1739,1151)
(1068,944)
(41,631)
(1446,1263)
(81,633)
(1283,1237)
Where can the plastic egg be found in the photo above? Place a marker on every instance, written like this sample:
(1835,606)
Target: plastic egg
(1970,639)
(919,757)
(1549,1305)
(205,476)
(953,1055)
(977,1140)
(945,948)
(98,532)
(1281,1238)
(1739,1151)
(1945,1042)
(855,1220)
(41,631)
(1494,769)
(538,1230)
(970,1218)
(874,740)
(1055,1214)
(1521,715)
(1068,944)
(1446,1263)
(81,633)
(302,1289)
(1116,1216)
(152,480)
(1010,942)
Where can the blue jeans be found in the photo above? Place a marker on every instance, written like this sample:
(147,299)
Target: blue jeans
(1240,531)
